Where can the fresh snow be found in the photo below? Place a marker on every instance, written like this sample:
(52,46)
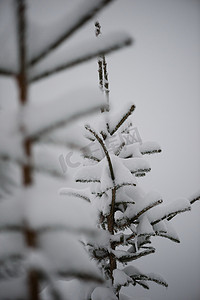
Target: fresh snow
(166,210)
(102,293)
(45,208)
(42,118)
(62,255)
(149,147)
(121,278)
(144,227)
(115,117)
(43,37)
(68,57)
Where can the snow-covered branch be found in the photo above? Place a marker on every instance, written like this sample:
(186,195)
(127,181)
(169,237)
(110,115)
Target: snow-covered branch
(58,113)
(70,23)
(84,51)
(101,142)
(123,119)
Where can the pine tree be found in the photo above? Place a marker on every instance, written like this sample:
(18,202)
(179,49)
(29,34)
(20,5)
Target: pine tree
(127,215)
(39,231)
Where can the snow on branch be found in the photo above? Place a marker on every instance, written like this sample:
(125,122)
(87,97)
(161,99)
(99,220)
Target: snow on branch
(10,215)
(83,194)
(102,293)
(11,267)
(145,209)
(120,148)
(150,148)
(169,211)
(117,187)
(11,252)
(14,288)
(142,211)
(136,275)
(59,215)
(64,137)
(44,159)
(165,229)
(125,256)
(121,279)
(72,21)
(150,277)
(83,275)
(91,157)
(137,164)
(89,173)
(39,120)
(144,228)
(52,258)
(101,142)
(123,119)
(168,236)
(195,197)
(82,52)
(10,148)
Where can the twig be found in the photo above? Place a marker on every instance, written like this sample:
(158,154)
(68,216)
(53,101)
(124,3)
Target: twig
(124,118)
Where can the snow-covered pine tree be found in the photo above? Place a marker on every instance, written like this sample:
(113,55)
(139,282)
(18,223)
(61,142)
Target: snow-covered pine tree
(128,215)
(39,231)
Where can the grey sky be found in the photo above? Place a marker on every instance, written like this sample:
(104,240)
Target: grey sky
(160,73)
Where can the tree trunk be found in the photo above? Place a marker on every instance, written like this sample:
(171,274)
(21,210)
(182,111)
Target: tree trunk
(27,178)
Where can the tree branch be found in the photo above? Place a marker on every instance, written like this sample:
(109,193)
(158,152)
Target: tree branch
(146,209)
(96,49)
(170,215)
(86,15)
(124,118)
(101,142)
(5,72)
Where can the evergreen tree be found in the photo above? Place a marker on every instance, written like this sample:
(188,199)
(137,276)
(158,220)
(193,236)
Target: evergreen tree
(39,232)
(127,215)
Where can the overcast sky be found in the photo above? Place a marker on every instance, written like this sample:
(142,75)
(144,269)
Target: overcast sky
(160,73)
